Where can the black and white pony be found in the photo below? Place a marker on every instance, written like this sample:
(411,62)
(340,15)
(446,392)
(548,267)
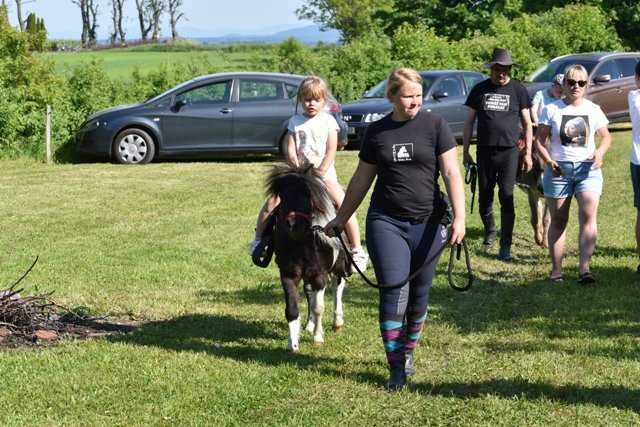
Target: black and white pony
(303,251)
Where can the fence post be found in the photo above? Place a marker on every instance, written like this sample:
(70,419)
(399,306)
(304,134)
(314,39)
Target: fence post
(48,134)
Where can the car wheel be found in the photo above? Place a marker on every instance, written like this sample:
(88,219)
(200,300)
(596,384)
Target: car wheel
(133,146)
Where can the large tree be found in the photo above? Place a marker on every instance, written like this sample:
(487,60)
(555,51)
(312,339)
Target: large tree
(144,20)
(353,18)
(89,14)
(156,8)
(175,15)
(116,19)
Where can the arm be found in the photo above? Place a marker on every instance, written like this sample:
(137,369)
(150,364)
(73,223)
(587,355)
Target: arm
(357,189)
(329,155)
(525,117)
(466,135)
(605,143)
(292,154)
(448,162)
(541,138)
(534,113)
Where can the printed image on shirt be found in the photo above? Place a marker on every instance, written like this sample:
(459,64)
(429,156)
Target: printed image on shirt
(403,152)
(574,130)
(495,102)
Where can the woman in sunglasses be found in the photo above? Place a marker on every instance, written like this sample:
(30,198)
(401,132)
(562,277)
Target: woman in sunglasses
(573,167)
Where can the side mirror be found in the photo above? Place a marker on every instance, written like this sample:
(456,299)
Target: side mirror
(602,78)
(179,104)
(440,94)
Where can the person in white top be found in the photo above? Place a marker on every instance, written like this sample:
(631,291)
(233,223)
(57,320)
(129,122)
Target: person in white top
(313,138)
(573,167)
(634,112)
(543,97)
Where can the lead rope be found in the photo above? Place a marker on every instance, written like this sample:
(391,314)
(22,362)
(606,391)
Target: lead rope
(470,177)
(400,284)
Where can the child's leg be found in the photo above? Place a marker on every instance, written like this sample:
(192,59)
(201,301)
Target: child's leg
(352,229)
(269,205)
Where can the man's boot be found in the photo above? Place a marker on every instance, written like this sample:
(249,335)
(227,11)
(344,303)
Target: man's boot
(489,229)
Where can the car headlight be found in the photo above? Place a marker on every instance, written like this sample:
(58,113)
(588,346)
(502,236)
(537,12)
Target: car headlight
(94,124)
(373,117)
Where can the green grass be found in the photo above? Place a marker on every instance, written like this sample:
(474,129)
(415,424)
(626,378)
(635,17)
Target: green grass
(120,63)
(166,244)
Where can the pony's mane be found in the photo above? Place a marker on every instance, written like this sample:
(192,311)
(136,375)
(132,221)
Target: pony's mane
(282,176)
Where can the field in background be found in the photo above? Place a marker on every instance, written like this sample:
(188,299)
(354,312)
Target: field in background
(165,244)
(120,63)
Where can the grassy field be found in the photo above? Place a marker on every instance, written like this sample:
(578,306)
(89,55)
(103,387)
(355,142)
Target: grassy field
(165,244)
(119,63)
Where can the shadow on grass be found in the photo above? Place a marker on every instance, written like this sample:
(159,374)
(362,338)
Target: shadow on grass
(612,396)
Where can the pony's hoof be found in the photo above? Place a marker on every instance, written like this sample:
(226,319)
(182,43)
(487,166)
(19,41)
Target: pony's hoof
(310,327)
(338,328)
(318,343)
(293,349)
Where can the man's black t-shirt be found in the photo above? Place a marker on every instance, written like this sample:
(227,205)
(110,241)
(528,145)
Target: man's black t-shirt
(498,110)
(406,154)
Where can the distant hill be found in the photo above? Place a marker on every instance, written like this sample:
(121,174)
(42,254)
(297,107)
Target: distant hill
(310,34)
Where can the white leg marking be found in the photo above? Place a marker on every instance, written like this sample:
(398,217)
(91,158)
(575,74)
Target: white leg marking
(294,335)
(318,311)
(338,315)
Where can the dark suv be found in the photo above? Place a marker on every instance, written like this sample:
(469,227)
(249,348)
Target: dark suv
(611,77)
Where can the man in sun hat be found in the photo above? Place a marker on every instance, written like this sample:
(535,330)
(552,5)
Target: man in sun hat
(501,106)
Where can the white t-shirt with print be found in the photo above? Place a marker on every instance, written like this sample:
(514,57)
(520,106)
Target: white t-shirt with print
(573,129)
(634,112)
(311,135)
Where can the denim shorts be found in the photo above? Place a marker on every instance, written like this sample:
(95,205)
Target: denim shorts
(635,180)
(577,177)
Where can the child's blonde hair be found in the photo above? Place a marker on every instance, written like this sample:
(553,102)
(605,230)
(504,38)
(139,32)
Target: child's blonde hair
(399,77)
(313,87)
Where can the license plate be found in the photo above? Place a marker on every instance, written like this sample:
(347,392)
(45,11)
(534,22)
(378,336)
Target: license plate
(351,130)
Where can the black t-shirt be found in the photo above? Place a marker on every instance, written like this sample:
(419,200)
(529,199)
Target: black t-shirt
(406,154)
(498,110)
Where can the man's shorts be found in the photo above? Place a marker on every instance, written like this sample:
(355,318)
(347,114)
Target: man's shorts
(635,180)
(577,177)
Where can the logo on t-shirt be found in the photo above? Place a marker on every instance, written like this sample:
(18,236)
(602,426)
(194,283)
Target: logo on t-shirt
(495,102)
(574,130)
(403,152)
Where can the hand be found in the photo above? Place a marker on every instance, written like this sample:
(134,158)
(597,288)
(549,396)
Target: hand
(598,159)
(319,172)
(527,163)
(467,159)
(330,228)
(458,231)
(555,168)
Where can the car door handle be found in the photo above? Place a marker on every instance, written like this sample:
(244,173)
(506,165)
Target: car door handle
(225,110)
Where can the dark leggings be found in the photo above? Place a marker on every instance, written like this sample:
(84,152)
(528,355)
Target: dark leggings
(398,248)
(498,165)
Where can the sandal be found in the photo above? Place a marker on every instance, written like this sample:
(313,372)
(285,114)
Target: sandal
(556,279)
(586,278)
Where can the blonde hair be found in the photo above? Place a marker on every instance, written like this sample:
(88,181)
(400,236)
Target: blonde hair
(574,69)
(399,77)
(313,87)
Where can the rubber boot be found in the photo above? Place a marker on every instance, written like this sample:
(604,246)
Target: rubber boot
(397,377)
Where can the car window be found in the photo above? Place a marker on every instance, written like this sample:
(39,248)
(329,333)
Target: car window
(609,67)
(627,66)
(291,91)
(207,94)
(559,66)
(471,80)
(451,85)
(260,90)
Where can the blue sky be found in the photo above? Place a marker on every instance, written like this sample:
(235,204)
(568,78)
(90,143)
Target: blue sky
(204,17)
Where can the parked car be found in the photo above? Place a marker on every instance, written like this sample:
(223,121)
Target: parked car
(611,77)
(444,92)
(228,113)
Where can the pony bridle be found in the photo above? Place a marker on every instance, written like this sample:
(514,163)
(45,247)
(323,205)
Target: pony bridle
(293,214)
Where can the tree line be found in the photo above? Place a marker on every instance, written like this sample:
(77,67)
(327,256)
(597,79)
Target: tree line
(457,19)
(149,14)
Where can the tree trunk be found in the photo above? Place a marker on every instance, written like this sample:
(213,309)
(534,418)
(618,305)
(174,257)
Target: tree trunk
(82,4)
(121,32)
(19,12)
(92,11)
(174,16)
(156,7)
(143,18)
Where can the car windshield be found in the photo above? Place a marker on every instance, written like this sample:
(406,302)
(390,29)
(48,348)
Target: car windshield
(379,90)
(558,66)
(157,97)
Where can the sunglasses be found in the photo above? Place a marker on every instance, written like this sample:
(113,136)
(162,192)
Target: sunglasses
(581,83)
